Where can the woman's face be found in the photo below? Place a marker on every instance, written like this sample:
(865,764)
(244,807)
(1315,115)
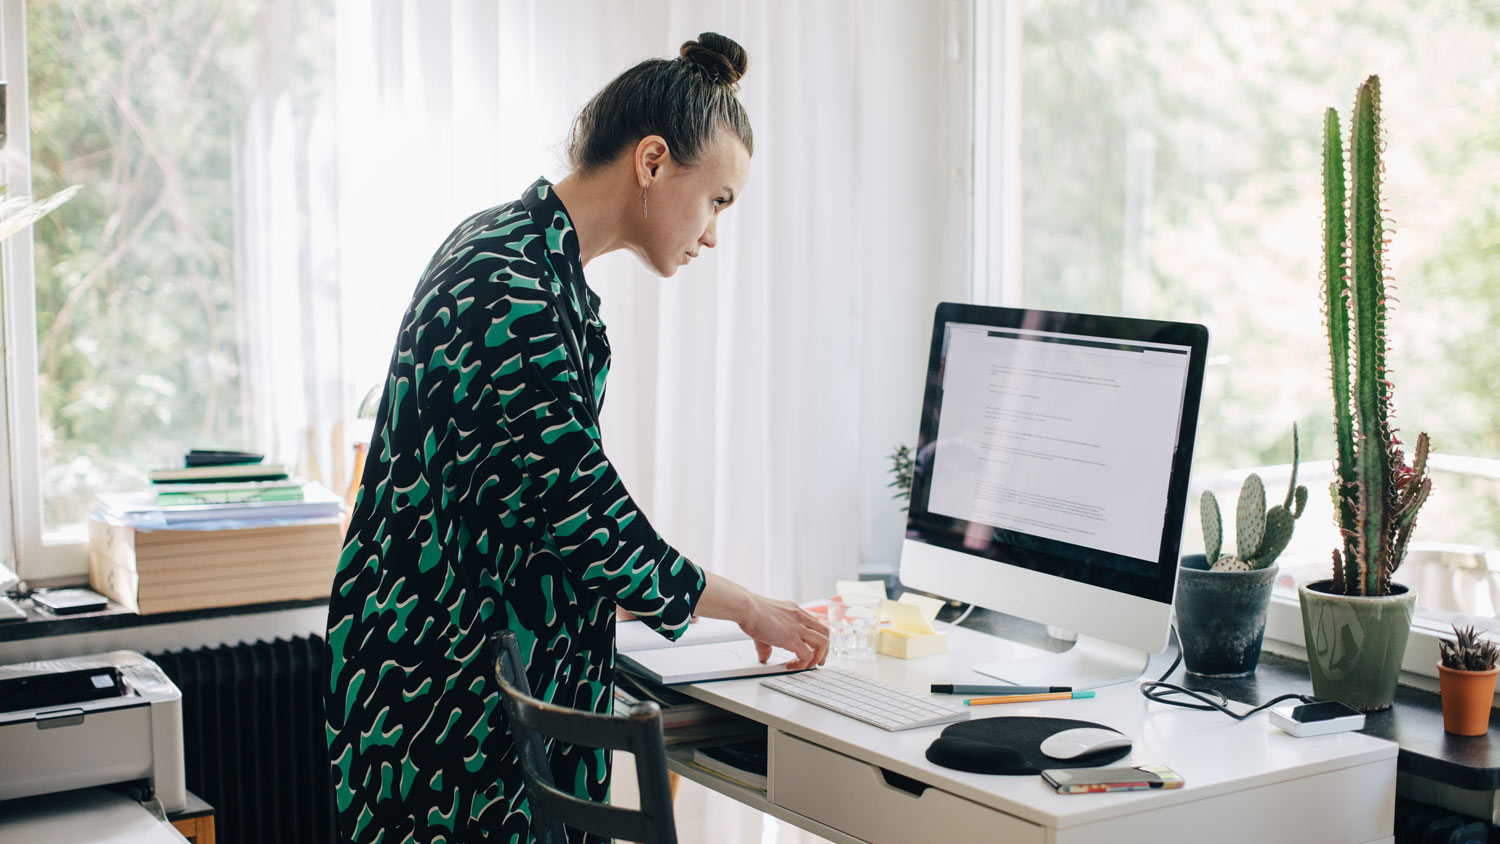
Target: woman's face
(683,204)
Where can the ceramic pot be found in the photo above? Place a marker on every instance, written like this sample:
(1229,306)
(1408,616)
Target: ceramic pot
(1355,644)
(1467,697)
(1221,617)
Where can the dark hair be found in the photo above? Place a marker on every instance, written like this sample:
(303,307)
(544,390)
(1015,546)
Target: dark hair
(683,99)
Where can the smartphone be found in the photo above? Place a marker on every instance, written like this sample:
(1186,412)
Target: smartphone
(1317,719)
(1094,780)
(69,601)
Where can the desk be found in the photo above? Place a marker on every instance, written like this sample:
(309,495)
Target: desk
(1246,781)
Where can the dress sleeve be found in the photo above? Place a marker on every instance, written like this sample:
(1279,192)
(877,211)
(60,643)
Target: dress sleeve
(600,532)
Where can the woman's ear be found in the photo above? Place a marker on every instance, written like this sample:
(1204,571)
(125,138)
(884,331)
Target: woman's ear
(650,154)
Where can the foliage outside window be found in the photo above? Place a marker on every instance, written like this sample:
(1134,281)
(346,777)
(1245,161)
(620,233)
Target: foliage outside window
(140,290)
(1170,166)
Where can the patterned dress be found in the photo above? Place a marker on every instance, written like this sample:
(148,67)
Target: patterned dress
(486,503)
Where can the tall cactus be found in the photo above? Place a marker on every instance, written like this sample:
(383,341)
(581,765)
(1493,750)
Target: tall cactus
(1260,535)
(1376,494)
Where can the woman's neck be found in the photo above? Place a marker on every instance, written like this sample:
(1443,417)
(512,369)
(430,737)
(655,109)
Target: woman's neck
(593,203)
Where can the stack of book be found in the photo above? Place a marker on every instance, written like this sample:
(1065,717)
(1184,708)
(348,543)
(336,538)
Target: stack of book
(215,534)
(742,762)
(684,719)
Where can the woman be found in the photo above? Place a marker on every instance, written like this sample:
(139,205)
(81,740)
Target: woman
(487,501)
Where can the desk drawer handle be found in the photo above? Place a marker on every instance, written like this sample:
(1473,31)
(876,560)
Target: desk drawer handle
(914,787)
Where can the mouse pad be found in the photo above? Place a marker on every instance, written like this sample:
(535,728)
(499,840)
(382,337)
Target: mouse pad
(1011,746)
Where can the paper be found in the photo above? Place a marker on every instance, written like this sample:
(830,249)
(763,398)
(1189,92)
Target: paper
(928,605)
(97,815)
(860,588)
(632,636)
(906,617)
(140,510)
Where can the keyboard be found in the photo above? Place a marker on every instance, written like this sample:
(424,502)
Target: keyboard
(863,699)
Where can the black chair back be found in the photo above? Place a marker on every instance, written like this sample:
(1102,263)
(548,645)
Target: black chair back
(639,733)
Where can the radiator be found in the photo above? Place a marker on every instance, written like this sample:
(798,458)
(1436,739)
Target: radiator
(1417,823)
(253,737)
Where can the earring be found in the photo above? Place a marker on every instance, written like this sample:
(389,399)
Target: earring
(644,212)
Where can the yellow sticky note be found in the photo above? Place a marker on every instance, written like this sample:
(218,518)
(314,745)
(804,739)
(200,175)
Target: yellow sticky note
(929,606)
(907,617)
(860,588)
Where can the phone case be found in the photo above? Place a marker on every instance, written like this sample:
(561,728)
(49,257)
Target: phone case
(1164,778)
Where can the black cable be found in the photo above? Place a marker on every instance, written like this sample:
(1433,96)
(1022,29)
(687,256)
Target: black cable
(1161,692)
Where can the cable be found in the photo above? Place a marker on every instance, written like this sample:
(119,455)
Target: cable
(961,616)
(1161,692)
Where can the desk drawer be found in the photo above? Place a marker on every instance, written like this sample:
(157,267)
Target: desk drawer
(856,798)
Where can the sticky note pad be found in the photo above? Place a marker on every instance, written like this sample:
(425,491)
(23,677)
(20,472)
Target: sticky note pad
(907,617)
(928,606)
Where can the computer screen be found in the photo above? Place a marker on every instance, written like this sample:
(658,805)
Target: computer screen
(1052,467)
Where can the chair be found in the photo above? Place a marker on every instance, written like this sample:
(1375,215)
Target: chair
(532,720)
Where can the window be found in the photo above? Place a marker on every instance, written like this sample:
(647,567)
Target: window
(192,129)
(1170,160)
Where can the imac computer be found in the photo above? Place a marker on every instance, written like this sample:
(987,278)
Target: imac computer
(1051,478)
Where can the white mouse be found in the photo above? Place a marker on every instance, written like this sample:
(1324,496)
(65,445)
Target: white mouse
(1070,744)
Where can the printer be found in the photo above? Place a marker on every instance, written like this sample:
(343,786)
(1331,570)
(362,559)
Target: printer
(71,727)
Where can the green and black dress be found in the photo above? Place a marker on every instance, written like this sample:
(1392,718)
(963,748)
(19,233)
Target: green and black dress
(486,503)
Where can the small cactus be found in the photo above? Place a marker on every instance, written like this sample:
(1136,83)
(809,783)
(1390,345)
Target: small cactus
(1260,534)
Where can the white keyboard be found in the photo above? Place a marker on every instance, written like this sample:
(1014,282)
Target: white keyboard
(863,699)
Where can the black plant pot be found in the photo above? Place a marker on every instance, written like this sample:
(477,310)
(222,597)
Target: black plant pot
(1221,617)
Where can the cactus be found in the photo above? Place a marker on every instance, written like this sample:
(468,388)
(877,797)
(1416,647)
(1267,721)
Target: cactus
(1230,562)
(1260,534)
(1250,517)
(1213,526)
(1376,494)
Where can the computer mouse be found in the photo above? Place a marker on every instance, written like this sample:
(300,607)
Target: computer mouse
(1070,744)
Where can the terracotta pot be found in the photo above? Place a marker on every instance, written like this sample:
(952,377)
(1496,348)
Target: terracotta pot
(1467,696)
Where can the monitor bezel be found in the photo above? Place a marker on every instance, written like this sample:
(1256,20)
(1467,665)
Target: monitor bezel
(944,532)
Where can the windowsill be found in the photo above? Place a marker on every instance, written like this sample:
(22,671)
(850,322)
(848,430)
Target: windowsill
(40,623)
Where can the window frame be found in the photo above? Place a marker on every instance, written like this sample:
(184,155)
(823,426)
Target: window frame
(34,557)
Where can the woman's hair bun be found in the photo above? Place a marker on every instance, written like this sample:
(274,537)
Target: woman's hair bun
(722,58)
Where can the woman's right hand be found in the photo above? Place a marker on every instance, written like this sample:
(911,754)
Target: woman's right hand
(783,624)
(771,623)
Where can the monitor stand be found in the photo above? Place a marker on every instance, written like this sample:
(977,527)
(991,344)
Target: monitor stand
(1089,664)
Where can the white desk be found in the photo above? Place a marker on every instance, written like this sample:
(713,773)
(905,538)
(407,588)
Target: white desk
(1246,781)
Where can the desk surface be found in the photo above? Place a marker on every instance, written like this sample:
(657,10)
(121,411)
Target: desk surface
(1214,754)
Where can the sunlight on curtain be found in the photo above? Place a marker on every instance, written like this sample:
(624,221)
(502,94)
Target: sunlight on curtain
(753,397)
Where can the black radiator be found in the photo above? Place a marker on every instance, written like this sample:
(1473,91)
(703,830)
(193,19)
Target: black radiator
(253,737)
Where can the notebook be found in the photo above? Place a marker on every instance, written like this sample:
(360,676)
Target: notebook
(631,636)
(697,663)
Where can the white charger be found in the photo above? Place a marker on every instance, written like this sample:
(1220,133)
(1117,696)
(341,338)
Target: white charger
(1317,719)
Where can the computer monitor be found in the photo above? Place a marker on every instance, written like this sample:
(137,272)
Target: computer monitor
(1051,478)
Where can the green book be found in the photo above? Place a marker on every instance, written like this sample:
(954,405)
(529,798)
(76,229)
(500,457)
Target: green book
(247,495)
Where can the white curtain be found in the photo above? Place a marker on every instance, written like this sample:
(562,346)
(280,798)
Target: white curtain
(287,269)
(754,397)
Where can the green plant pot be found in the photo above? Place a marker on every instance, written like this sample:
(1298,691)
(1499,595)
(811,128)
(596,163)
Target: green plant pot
(1355,644)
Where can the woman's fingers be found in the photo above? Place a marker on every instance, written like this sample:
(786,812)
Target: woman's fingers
(804,659)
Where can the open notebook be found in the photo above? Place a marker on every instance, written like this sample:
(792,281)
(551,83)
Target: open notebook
(679,663)
(632,636)
(710,649)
